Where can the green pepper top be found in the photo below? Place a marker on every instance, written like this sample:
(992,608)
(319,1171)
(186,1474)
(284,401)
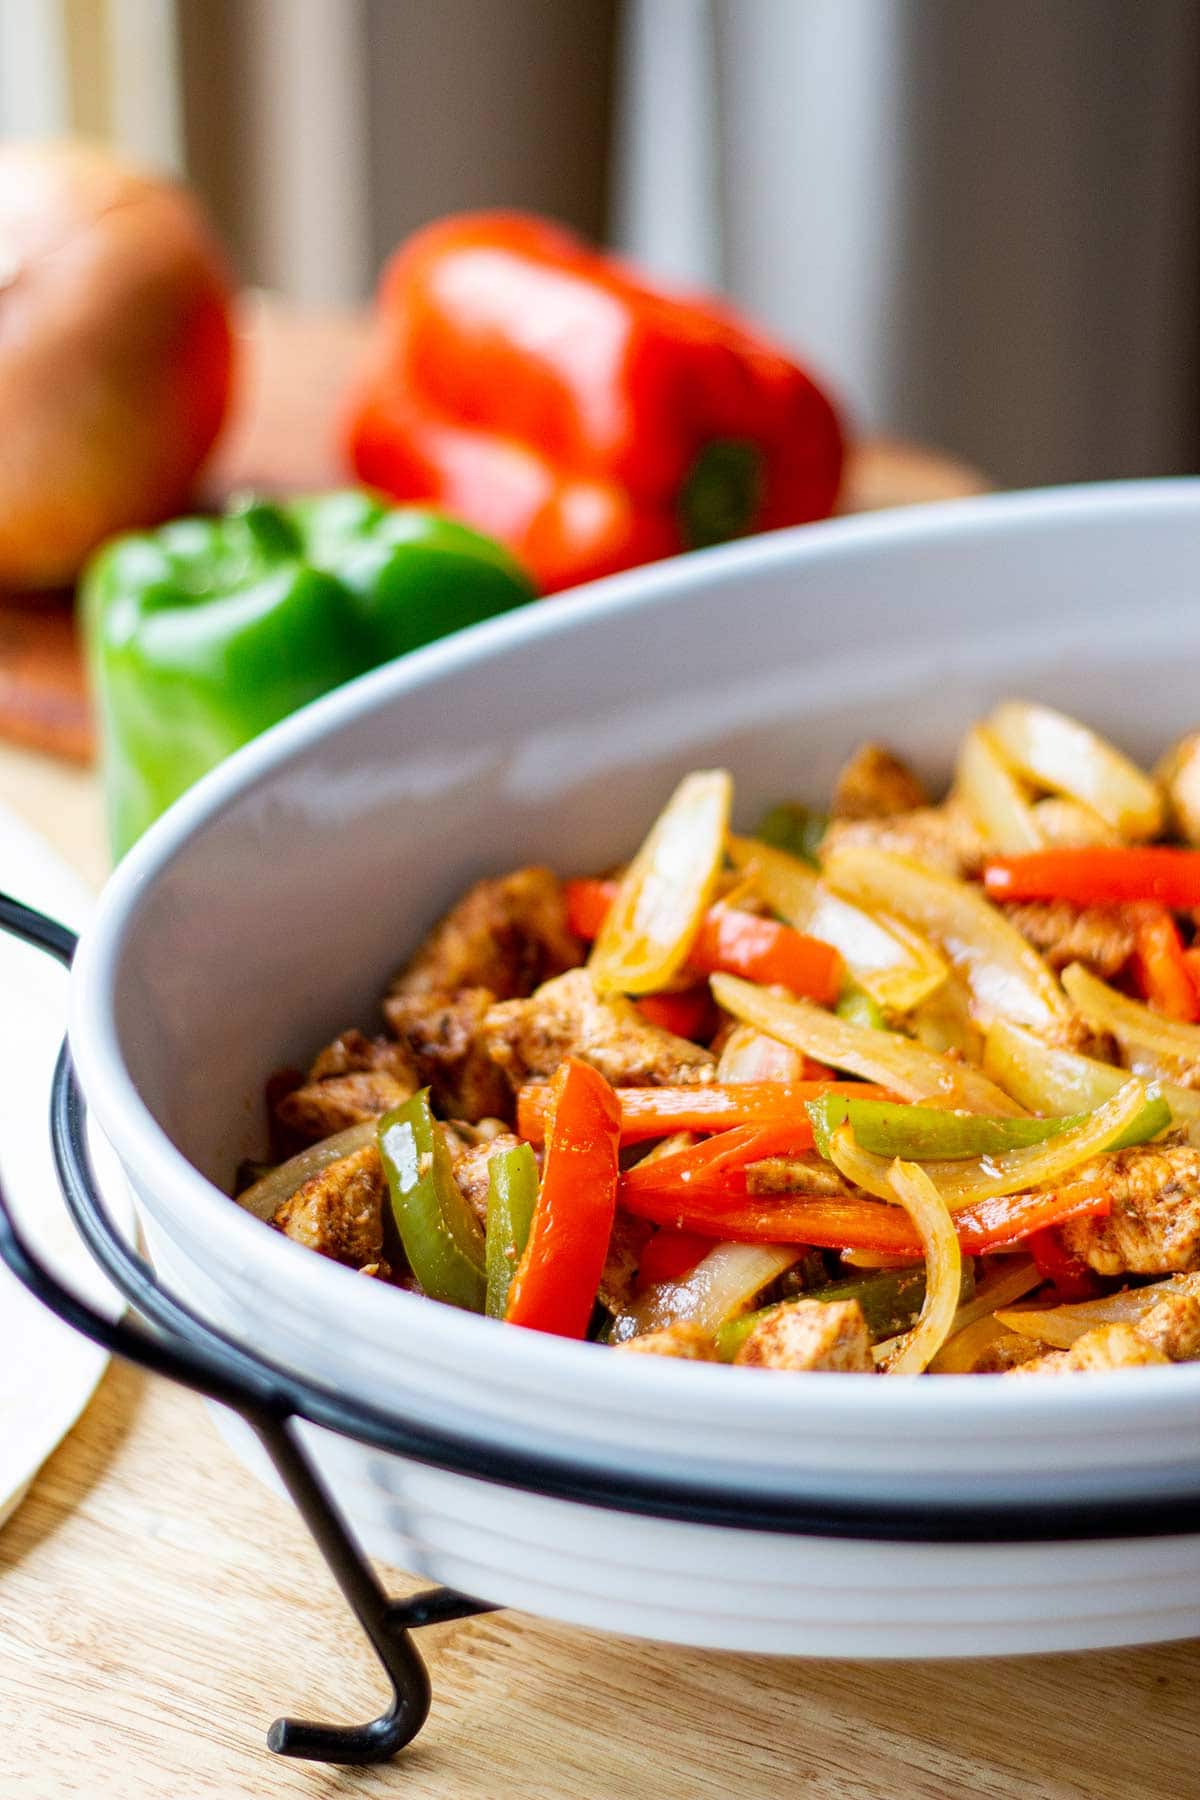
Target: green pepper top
(203,633)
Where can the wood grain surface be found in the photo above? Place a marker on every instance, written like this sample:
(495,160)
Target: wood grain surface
(158,1606)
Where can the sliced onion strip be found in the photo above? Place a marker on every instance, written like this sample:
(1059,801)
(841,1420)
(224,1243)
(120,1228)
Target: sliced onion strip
(1061,754)
(967,1339)
(1061,1325)
(1006,976)
(1134,1026)
(1052,1081)
(998,805)
(267,1195)
(931,1219)
(666,890)
(724,1284)
(898,969)
(883,1056)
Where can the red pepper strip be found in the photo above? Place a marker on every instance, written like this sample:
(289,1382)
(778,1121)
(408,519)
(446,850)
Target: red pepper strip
(1164,977)
(715,1168)
(860,1224)
(1073,1278)
(555,1285)
(1098,876)
(687,1014)
(669,1256)
(658,1111)
(731,942)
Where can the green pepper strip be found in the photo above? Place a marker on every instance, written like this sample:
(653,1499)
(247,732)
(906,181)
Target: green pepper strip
(796,829)
(890,1299)
(927,1134)
(512,1196)
(441,1235)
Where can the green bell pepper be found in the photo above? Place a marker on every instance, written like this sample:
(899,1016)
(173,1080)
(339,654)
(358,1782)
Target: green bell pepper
(512,1196)
(794,828)
(890,1299)
(441,1235)
(203,633)
(928,1134)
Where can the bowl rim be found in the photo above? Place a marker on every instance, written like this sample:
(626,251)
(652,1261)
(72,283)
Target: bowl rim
(527,1357)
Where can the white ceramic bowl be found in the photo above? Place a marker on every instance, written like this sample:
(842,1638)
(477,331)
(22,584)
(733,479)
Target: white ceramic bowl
(267,910)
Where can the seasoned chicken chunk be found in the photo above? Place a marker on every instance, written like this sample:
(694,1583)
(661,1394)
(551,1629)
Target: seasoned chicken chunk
(1096,1352)
(339,1211)
(809,1175)
(875,784)
(444,1035)
(471,1170)
(566,1017)
(811,1334)
(1099,936)
(508,934)
(690,1343)
(1153,1227)
(1173,1326)
(355,1053)
(941,837)
(323,1107)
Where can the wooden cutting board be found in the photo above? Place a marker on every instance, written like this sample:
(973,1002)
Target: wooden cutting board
(294,374)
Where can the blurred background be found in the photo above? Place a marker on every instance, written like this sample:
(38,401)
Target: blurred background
(980,222)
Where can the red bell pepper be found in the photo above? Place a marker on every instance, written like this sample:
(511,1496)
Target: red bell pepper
(554,1288)
(716,1168)
(657,1111)
(1073,1278)
(668,1256)
(689,1014)
(1098,876)
(1163,975)
(732,942)
(549,396)
(858,1224)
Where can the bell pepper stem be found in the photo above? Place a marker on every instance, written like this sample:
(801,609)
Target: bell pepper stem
(722,492)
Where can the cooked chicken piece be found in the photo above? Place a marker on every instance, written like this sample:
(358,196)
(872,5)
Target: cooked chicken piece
(508,934)
(941,837)
(354,1053)
(323,1107)
(1099,936)
(339,1211)
(444,1036)
(471,1171)
(795,1175)
(811,1334)
(629,1238)
(1154,1225)
(875,784)
(566,1017)
(1178,774)
(1007,1351)
(1173,1326)
(1096,1352)
(691,1343)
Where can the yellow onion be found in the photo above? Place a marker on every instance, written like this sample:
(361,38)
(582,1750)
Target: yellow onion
(269,1194)
(998,805)
(897,967)
(882,1056)
(718,1288)
(1059,1326)
(666,890)
(1053,1081)
(934,1226)
(1059,753)
(1006,976)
